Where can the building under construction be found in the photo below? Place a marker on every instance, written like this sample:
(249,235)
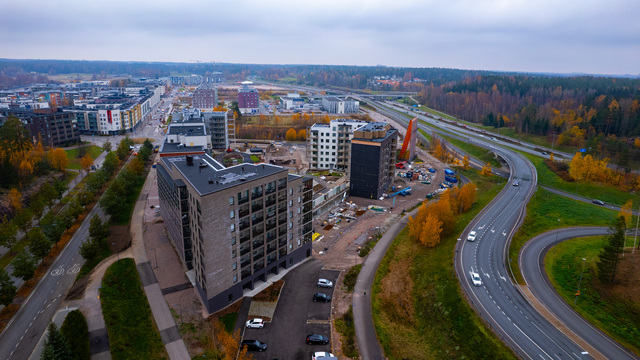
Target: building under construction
(373,160)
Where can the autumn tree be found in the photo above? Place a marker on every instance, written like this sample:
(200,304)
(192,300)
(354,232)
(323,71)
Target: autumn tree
(302,135)
(86,162)
(466,197)
(465,162)
(486,170)
(431,230)
(625,212)
(58,159)
(230,343)
(15,200)
(291,135)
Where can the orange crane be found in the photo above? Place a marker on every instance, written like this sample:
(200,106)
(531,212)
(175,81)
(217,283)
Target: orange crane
(407,140)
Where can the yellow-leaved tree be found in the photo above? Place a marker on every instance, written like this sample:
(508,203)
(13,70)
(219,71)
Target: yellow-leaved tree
(86,162)
(15,199)
(302,135)
(291,134)
(58,159)
(465,162)
(431,229)
(625,212)
(486,170)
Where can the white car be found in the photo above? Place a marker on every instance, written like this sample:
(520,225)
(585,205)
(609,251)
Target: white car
(321,355)
(475,278)
(325,283)
(255,324)
(472,236)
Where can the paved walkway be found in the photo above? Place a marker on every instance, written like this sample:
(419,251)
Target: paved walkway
(362,316)
(169,332)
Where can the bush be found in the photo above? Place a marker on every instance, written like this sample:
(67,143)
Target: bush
(346,328)
(76,331)
(352,276)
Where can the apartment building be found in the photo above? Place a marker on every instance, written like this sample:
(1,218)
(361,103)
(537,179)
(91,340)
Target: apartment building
(328,145)
(234,226)
(217,125)
(373,160)
(248,100)
(334,105)
(55,127)
(205,97)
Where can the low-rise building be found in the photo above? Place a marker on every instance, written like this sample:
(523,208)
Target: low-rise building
(248,100)
(334,105)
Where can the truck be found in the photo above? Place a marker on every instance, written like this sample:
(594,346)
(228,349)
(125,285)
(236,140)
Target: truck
(449,172)
(451,179)
(401,165)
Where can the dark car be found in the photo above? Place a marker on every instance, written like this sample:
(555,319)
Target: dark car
(598,202)
(321,297)
(317,339)
(254,345)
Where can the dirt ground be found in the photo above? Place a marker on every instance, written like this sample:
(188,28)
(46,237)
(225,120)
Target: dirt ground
(337,247)
(627,284)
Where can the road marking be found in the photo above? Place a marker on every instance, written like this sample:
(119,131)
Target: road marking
(492,230)
(504,233)
(502,277)
(57,272)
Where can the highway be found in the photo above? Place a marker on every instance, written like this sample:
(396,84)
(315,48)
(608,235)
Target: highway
(532,266)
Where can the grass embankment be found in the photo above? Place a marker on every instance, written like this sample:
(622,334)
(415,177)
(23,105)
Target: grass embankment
(418,309)
(547,211)
(482,154)
(132,331)
(74,160)
(346,327)
(604,192)
(618,316)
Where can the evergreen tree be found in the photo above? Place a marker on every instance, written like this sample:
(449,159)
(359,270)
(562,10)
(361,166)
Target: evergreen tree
(76,332)
(610,254)
(39,245)
(56,346)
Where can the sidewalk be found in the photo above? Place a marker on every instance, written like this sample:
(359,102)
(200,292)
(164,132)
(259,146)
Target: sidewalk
(169,332)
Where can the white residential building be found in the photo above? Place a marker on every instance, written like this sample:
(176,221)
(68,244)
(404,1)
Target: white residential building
(328,145)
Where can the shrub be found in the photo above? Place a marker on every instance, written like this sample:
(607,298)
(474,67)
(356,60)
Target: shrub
(352,276)
(76,331)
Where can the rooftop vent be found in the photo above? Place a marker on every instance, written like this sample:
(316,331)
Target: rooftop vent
(190,160)
(210,181)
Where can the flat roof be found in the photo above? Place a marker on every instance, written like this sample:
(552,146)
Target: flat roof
(168,147)
(193,130)
(208,176)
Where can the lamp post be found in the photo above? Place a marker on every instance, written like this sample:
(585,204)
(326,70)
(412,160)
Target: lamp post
(114,245)
(579,282)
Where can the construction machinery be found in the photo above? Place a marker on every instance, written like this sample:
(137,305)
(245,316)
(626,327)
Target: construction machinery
(403,192)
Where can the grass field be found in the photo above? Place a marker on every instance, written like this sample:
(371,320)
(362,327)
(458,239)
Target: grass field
(74,160)
(132,331)
(606,193)
(618,316)
(418,310)
(547,211)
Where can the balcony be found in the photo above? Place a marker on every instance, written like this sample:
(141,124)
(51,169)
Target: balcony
(256,194)
(270,190)
(245,262)
(282,252)
(282,210)
(257,221)
(243,224)
(258,266)
(243,212)
(271,225)
(257,207)
(244,251)
(270,201)
(257,231)
(246,273)
(242,200)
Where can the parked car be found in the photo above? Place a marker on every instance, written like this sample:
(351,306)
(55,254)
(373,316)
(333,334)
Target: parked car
(254,345)
(516,183)
(475,278)
(432,170)
(472,236)
(321,354)
(317,339)
(325,283)
(255,324)
(598,202)
(321,297)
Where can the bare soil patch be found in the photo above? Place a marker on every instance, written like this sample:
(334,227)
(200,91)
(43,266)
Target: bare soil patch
(120,238)
(271,293)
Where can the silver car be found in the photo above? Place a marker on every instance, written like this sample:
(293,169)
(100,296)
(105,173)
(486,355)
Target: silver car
(325,283)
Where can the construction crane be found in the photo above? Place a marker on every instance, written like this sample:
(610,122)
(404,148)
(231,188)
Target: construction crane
(407,140)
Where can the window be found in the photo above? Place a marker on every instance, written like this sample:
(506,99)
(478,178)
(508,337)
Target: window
(291,191)
(235,278)
(233,255)
(298,210)
(235,264)
(290,247)
(298,245)
(290,202)
(230,200)
(232,214)
(299,199)
(233,227)
(290,225)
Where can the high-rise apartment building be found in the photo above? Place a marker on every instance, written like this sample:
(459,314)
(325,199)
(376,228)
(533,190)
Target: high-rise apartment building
(328,145)
(373,160)
(234,226)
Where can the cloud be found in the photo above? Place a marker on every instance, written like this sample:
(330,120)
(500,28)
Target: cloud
(499,34)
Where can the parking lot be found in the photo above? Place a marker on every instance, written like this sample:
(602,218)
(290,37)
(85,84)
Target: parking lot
(297,316)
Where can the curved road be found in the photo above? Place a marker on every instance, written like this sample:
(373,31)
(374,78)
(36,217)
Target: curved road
(532,267)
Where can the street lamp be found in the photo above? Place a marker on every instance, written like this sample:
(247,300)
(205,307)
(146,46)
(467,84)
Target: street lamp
(580,282)
(114,245)
(156,256)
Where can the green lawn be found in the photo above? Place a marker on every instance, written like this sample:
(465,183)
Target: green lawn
(547,211)
(606,193)
(442,324)
(74,160)
(132,331)
(619,318)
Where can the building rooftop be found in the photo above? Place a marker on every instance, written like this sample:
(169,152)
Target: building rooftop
(193,130)
(374,131)
(169,147)
(208,176)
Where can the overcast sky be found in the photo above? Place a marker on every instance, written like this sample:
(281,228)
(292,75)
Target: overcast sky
(562,36)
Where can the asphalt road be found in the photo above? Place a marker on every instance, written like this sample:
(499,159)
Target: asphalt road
(532,267)
(22,334)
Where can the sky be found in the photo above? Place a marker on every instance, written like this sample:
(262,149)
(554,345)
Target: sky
(554,36)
